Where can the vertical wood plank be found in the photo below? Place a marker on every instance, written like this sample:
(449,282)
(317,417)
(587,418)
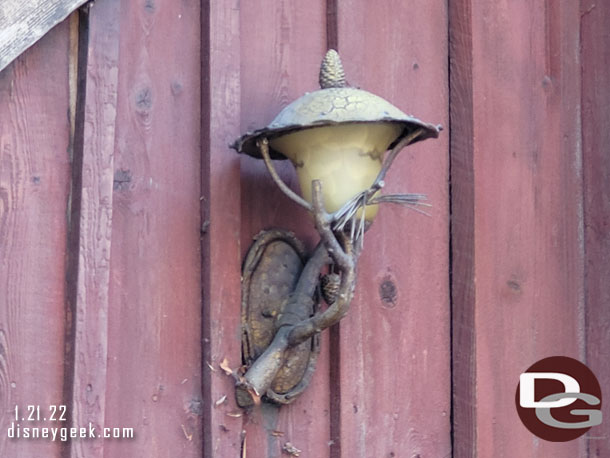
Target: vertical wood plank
(34,188)
(282,44)
(394,362)
(92,223)
(525,241)
(463,364)
(528,252)
(153,373)
(156,228)
(595,58)
(221,222)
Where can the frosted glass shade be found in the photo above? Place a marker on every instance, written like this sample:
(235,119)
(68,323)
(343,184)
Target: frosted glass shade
(346,158)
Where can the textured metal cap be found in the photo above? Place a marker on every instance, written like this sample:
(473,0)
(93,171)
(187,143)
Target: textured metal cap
(333,104)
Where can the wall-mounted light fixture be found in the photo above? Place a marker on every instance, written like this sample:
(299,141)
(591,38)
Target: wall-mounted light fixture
(338,140)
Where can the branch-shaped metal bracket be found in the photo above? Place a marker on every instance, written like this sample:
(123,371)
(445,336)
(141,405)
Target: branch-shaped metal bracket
(295,318)
(280,319)
(270,273)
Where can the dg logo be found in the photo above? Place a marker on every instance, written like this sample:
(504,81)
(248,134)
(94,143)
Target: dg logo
(559,399)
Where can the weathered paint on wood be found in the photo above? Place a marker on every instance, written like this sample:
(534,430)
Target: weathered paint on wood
(146,145)
(394,344)
(221,223)
(23,23)
(34,188)
(91,221)
(282,43)
(154,319)
(272,77)
(595,60)
(516,69)
(462,236)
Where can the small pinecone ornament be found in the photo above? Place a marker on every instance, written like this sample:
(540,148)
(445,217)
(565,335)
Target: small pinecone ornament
(331,71)
(330,287)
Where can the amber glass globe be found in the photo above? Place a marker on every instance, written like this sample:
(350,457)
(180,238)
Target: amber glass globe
(346,158)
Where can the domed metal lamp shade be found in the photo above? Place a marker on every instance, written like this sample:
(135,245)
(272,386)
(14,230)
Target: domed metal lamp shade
(337,135)
(338,140)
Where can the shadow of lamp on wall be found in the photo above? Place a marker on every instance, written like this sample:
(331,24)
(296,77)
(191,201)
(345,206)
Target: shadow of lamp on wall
(341,141)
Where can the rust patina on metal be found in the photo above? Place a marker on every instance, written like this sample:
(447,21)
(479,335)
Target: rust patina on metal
(270,273)
(280,320)
(334,103)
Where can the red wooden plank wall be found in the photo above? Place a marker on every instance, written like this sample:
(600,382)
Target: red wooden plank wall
(525,286)
(221,221)
(394,354)
(124,232)
(281,45)
(155,290)
(124,218)
(34,188)
(595,108)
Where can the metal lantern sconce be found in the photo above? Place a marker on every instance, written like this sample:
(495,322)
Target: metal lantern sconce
(337,139)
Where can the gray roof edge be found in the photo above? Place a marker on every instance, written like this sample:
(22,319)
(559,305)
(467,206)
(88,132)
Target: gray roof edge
(24,23)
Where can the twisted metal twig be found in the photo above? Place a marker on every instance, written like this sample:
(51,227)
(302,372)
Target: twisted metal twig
(263,145)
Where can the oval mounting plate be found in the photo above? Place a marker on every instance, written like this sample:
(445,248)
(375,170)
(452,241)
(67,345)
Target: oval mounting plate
(270,273)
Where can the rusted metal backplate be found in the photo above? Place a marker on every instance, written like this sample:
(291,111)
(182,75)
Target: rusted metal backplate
(271,270)
(394,370)
(516,157)
(270,273)
(34,189)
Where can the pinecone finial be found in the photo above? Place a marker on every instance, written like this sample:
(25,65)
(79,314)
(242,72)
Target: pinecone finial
(330,284)
(331,71)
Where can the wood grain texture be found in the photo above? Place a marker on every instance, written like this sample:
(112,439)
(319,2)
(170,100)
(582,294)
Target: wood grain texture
(221,223)
(595,59)
(394,362)
(162,212)
(24,23)
(282,45)
(462,236)
(153,374)
(34,188)
(91,220)
(527,233)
